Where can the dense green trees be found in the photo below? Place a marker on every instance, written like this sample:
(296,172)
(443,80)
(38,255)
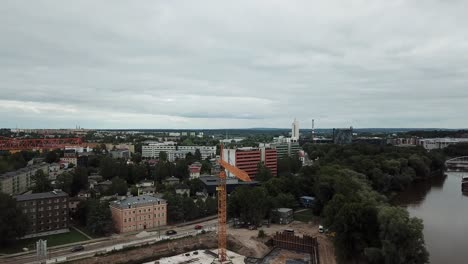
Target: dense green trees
(13,223)
(118,186)
(401,238)
(13,161)
(366,226)
(263,174)
(41,182)
(388,168)
(182,208)
(96,216)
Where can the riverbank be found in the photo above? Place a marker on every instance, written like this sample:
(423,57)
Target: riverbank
(443,208)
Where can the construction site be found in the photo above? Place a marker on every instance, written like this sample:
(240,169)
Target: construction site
(243,246)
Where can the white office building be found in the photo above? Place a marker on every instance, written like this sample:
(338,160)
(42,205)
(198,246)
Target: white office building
(439,143)
(152,150)
(295,130)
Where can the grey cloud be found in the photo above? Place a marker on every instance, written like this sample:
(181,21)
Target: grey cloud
(214,64)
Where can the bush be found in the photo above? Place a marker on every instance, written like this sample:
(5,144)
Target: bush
(261,233)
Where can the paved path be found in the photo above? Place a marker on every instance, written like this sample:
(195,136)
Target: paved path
(83,233)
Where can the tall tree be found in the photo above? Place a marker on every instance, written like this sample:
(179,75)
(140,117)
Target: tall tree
(119,186)
(64,182)
(264,173)
(107,168)
(13,223)
(163,156)
(402,237)
(197,156)
(99,218)
(80,180)
(41,182)
(181,169)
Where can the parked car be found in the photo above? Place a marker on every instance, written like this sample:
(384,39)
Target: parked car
(198,227)
(171,232)
(77,248)
(321,229)
(252,227)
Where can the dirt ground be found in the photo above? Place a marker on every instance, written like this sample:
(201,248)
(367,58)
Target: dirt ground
(249,245)
(150,253)
(279,256)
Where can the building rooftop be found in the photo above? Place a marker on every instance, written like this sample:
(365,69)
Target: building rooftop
(136,200)
(308,197)
(283,210)
(214,180)
(44,195)
(172,178)
(199,257)
(22,170)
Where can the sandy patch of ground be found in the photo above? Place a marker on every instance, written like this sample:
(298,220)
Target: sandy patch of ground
(249,245)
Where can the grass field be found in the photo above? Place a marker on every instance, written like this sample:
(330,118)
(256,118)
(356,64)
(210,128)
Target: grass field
(52,240)
(304,216)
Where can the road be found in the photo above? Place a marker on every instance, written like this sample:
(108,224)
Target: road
(116,241)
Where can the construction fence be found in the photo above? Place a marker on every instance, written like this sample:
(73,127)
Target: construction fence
(306,244)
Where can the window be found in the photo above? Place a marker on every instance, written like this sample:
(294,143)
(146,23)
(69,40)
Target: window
(125,220)
(64,206)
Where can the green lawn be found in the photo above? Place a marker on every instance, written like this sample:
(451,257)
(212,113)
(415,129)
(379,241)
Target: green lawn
(304,216)
(52,240)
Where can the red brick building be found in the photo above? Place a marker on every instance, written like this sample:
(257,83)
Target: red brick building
(248,159)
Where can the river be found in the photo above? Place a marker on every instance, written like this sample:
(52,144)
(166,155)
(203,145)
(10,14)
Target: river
(444,209)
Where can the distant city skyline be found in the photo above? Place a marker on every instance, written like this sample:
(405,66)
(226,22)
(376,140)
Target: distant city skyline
(242,64)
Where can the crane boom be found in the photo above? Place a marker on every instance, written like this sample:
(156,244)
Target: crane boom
(222,194)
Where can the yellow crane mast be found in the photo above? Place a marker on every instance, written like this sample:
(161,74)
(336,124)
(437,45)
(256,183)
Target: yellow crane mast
(222,212)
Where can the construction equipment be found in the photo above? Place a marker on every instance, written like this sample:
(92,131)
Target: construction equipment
(221,189)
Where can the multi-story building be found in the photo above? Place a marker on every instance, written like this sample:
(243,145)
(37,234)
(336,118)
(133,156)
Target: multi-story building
(138,213)
(194,170)
(295,130)
(20,181)
(120,154)
(343,136)
(284,148)
(47,212)
(152,150)
(248,159)
(439,143)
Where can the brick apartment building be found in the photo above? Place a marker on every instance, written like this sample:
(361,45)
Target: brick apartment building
(47,212)
(138,213)
(248,159)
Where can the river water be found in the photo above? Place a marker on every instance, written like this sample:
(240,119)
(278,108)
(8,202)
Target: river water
(444,209)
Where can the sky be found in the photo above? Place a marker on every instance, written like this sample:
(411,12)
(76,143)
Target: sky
(233,64)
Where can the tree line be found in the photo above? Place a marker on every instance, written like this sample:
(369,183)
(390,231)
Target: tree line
(351,184)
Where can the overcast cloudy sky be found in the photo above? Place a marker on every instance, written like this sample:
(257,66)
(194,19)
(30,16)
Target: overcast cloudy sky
(230,64)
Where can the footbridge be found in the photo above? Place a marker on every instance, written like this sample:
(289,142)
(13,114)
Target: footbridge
(457,164)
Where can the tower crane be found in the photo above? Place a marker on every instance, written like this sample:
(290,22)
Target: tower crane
(221,189)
